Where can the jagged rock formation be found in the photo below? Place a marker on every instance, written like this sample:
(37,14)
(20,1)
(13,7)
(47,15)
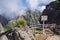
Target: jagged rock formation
(19,34)
(53,12)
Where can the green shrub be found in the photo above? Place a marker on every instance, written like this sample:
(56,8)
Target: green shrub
(14,23)
(21,23)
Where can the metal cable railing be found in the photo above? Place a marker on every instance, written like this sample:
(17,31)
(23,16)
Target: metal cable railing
(53,27)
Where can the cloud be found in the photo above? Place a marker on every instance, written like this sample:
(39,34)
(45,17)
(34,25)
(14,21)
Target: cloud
(34,3)
(41,8)
(43,4)
(11,8)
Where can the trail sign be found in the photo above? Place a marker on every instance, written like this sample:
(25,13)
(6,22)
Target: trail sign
(44,18)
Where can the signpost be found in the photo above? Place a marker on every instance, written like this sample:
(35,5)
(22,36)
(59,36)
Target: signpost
(44,18)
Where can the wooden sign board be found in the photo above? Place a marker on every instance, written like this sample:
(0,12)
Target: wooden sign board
(44,18)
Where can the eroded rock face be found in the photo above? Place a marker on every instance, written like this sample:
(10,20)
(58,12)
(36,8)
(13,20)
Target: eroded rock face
(53,12)
(19,34)
(26,34)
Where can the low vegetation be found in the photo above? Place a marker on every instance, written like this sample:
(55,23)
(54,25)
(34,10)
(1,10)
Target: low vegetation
(16,23)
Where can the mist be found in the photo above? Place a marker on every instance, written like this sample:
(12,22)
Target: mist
(10,8)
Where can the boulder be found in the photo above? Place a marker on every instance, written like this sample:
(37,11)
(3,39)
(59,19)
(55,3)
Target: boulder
(19,34)
(3,37)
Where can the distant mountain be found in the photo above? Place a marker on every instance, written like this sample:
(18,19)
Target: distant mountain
(3,20)
(32,17)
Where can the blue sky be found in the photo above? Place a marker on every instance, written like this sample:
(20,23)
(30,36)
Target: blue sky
(13,8)
(24,3)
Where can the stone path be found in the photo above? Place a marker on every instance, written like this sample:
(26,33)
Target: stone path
(55,37)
